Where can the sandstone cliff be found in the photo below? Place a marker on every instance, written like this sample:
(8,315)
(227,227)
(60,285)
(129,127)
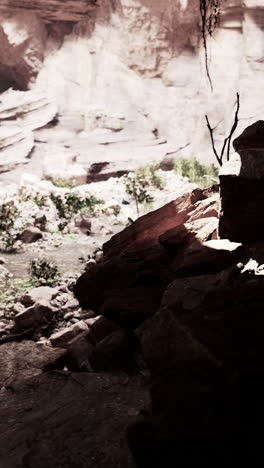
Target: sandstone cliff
(127,68)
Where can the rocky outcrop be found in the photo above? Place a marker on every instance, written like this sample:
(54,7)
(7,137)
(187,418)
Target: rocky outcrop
(145,231)
(15,144)
(241,182)
(155,84)
(128,284)
(20,114)
(29,110)
(194,303)
(23,40)
(52,10)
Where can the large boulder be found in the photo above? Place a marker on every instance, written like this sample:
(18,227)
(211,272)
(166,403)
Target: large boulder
(241,186)
(145,231)
(128,284)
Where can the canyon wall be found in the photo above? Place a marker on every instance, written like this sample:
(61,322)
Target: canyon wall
(134,69)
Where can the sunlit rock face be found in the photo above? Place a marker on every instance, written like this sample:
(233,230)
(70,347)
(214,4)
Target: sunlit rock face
(123,69)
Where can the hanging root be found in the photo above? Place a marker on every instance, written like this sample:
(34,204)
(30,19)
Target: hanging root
(210,17)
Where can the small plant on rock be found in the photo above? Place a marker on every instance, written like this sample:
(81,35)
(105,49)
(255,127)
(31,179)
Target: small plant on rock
(46,269)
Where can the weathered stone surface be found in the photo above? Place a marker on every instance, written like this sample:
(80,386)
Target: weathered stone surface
(127,285)
(23,40)
(62,338)
(152,71)
(30,234)
(15,144)
(83,424)
(39,313)
(200,229)
(146,230)
(207,208)
(20,113)
(36,294)
(207,257)
(242,193)
(29,110)
(100,328)
(57,10)
(20,361)
(125,289)
(79,353)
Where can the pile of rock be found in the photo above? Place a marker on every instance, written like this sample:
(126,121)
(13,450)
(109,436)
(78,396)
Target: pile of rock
(194,299)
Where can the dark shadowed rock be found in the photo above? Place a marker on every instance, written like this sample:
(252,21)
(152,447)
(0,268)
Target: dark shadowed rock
(41,312)
(207,257)
(30,234)
(20,361)
(99,328)
(206,355)
(202,229)
(80,350)
(125,289)
(69,420)
(242,192)
(63,337)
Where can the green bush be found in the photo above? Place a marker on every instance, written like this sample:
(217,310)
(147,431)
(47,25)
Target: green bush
(70,204)
(137,184)
(65,183)
(8,234)
(39,199)
(200,174)
(44,268)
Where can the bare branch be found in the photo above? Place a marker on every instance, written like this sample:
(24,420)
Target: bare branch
(227,140)
(212,141)
(234,125)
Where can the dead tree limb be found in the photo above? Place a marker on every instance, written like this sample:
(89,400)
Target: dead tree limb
(227,140)
(211,130)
